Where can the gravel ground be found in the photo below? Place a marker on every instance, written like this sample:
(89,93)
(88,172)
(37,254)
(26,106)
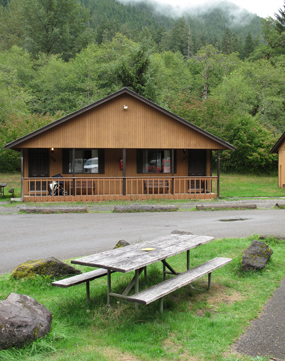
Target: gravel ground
(261,203)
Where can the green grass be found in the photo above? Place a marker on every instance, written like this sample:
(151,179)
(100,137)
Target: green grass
(196,325)
(236,185)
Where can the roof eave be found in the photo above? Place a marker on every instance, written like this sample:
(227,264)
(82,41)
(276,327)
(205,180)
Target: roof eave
(276,146)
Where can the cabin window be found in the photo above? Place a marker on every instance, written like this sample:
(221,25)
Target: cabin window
(86,161)
(154,161)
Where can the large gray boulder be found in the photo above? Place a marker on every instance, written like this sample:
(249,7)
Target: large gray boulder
(22,320)
(256,256)
(44,267)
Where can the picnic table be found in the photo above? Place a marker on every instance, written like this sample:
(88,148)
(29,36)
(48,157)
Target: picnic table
(138,256)
(2,186)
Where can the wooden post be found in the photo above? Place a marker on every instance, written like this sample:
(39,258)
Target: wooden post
(22,174)
(218,174)
(124,170)
(73,170)
(172,170)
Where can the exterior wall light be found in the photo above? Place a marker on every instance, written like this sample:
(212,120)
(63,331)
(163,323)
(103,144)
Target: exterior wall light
(52,149)
(125,107)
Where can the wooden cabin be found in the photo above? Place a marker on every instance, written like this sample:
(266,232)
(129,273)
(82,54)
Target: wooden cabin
(122,147)
(279,148)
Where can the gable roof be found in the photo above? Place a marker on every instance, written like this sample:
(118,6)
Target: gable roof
(16,143)
(277,145)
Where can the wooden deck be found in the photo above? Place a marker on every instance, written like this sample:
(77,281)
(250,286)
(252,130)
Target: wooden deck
(128,188)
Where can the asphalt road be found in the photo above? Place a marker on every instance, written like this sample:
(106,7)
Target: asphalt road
(33,236)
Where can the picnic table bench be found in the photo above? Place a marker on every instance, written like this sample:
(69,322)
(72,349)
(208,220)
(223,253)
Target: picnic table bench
(180,280)
(78,279)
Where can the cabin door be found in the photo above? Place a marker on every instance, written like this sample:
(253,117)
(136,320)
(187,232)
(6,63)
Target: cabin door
(197,166)
(38,163)
(38,167)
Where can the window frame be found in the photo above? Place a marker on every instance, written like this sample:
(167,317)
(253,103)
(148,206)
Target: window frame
(142,155)
(67,159)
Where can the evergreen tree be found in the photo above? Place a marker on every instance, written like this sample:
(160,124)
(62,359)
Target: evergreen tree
(237,44)
(280,25)
(227,42)
(179,37)
(248,46)
(134,73)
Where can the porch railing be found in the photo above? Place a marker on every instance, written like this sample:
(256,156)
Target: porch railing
(107,188)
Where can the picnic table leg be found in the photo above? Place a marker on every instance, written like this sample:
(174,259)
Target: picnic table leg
(137,275)
(163,270)
(145,273)
(188,260)
(108,286)
(161,305)
(209,280)
(88,291)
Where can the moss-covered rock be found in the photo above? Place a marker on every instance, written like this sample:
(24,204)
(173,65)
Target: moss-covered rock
(256,256)
(122,243)
(44,267)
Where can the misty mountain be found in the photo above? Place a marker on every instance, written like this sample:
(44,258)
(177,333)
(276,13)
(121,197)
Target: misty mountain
(208,24)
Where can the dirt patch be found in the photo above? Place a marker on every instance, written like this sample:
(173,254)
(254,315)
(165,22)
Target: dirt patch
(118,355)
(219,294)
(170,346)
(213,298)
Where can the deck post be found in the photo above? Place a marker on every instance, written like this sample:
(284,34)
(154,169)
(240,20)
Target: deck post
(73,170)
(124,170)
(172,170)
(22,175)
(218,173)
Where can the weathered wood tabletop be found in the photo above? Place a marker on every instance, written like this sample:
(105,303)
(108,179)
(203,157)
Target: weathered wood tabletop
(142,254)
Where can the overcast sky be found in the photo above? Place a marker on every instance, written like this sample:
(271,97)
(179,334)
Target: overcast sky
(263,8)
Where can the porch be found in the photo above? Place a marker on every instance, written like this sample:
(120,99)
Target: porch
(93,189)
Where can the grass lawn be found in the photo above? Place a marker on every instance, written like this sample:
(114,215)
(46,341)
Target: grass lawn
(196,325)
(236,185)
(231,185)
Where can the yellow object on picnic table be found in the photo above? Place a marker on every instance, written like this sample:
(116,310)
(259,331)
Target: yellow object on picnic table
(147,249)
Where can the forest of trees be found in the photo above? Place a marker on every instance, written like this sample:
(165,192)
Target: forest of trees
(59,56)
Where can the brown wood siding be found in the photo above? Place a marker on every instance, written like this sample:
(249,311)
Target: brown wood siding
(110,126)
(281,165)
